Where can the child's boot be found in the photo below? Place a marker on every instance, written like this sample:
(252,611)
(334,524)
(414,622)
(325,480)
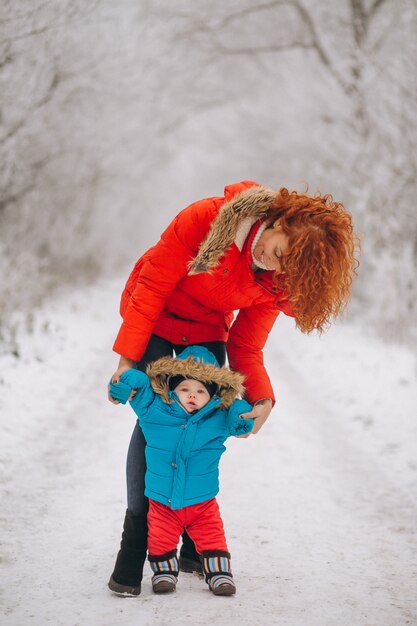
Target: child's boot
(216,565)
(165,568)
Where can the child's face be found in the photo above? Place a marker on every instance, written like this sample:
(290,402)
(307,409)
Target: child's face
(192,394)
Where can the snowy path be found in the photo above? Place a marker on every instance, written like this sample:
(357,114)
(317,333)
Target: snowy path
(318,508)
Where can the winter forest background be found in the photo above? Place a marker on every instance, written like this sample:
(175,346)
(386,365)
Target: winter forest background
(116,115)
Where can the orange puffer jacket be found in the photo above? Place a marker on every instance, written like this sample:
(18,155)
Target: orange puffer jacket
(186,287)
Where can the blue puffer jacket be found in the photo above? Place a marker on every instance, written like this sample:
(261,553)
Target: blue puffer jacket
(183,450)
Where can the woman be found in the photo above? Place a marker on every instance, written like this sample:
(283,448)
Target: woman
(256,251)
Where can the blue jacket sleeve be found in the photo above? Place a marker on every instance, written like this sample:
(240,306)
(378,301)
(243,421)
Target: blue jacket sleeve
(133,380)
(235,424)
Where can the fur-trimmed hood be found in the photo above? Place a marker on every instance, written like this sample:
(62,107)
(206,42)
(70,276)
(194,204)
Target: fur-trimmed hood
(195,365)
(252,203)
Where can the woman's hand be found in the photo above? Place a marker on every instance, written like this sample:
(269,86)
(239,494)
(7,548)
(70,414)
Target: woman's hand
(259,413)
(124,365)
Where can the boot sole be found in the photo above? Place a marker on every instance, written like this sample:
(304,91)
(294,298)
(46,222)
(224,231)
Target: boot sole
(125,591)
(163,587)
(224,590)
(190,566)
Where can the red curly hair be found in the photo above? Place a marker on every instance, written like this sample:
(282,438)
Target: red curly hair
(320,264)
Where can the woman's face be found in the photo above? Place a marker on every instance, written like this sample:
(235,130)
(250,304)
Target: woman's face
(272,244)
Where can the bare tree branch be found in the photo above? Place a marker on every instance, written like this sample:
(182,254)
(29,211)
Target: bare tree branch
(306,19)
(15,197)
(12,131)
(323,56)
(72,16)
(249,50)
(258,8)
(25,14)
(359,22)
(8,58)
(377,4)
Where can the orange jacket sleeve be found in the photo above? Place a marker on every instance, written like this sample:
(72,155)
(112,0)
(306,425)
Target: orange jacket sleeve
(247,338)
(163,267)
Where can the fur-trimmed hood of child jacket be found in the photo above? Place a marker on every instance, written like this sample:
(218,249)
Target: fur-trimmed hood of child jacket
(183,450)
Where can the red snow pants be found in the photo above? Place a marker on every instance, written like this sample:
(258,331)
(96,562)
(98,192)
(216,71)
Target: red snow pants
(202,522)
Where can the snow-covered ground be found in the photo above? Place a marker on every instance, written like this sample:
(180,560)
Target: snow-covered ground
(319,507)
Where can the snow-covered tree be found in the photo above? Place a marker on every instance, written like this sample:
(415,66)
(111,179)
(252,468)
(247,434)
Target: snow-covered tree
(114,116)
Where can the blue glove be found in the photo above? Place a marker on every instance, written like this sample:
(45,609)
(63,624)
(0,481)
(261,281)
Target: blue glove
(129,381)
(238,425)
(242,426)
(120,391)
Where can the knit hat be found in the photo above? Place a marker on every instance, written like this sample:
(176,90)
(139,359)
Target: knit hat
(174,381)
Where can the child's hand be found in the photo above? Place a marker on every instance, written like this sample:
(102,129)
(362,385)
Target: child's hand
(121,391)
(124,365)
(259,413)
(241,428)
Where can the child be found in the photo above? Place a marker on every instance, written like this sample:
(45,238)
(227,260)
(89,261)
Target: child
(187,408)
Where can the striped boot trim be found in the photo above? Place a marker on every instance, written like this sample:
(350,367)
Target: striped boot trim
(215,564)
(168,565)
(163,583)
(222,585)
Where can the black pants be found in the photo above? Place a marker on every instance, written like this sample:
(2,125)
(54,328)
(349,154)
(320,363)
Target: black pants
(157,347)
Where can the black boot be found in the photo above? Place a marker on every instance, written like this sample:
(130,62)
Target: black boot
(189,560)
(128,571)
